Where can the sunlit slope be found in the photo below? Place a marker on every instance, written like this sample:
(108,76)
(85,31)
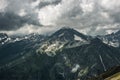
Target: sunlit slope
(114,77)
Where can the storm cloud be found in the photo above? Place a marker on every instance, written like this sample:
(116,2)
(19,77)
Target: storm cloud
(88,16)
(46,3)
(11,21)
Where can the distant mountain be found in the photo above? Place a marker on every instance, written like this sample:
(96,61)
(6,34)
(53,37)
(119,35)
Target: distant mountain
(112,39)
(13,47)
(65,55)
(3,38)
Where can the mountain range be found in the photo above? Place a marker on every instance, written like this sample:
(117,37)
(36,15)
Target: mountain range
(65,55)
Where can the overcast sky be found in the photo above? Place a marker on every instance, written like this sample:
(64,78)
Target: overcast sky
(44,16)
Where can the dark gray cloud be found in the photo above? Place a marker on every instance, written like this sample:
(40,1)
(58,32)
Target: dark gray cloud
(46,3)
(115,16)
(18,13)
(11,21)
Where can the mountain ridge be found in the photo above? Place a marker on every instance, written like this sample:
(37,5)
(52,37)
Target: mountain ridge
(62,56)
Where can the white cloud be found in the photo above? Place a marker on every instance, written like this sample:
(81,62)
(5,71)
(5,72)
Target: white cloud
(3,5)
(22,13)
(105,15)
(110,4)
(49,14)
(36,3)
(28,29)
(87,6)
(88,16)
(85,15)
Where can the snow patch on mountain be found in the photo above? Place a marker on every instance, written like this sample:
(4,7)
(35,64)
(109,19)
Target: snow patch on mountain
(50,49)
(77,38)
(61,35)
(75,68)
(114,43)
(53,47)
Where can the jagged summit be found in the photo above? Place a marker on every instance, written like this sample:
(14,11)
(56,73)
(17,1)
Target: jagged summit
(68,34)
